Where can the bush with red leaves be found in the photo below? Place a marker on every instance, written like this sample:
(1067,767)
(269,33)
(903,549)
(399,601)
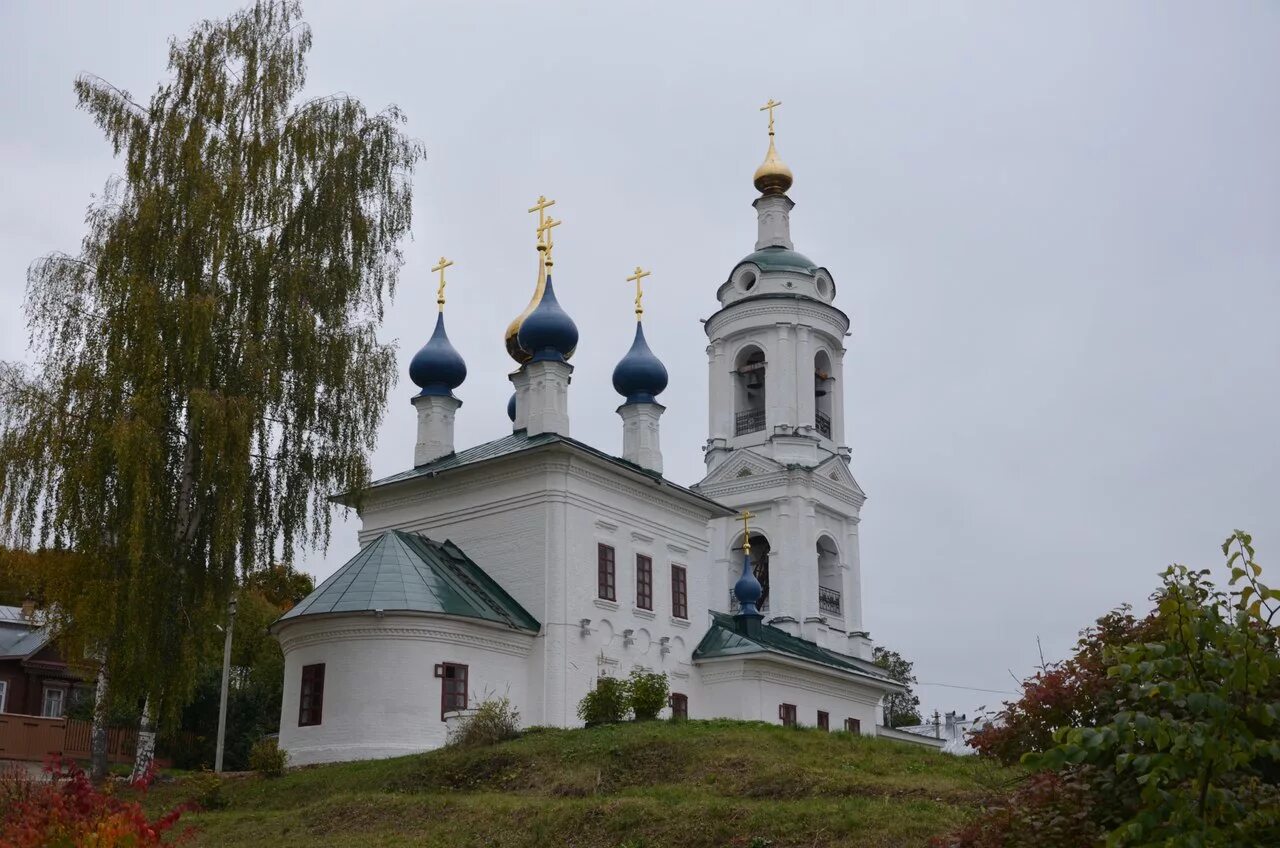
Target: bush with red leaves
(66,809)
(1073,693)
(1050,810)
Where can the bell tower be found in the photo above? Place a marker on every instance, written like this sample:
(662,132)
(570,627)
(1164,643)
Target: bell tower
(776,430)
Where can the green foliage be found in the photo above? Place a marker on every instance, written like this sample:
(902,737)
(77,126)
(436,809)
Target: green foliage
(207,368)
(267,758)
(1185,751)
(608,703)
(495,720)
(281,585)
(206,790)
(647,693)
(899,710)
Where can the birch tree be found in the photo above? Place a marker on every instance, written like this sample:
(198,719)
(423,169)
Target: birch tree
(204,369)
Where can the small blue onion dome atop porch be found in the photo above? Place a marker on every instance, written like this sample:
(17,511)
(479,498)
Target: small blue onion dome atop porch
(511,407)
(438,368)
(748,590)
(549,333)
(640,375)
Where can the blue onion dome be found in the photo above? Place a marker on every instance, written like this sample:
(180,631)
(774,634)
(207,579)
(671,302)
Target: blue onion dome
(748,590)
(640,375)
(549,333)
(511,407)
(438,369)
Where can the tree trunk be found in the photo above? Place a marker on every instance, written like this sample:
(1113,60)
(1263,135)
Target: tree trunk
(146,743)
(98,735)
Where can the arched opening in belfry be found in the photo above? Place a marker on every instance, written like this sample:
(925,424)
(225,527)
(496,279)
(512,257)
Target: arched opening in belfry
(823,390)
(759,567)
(830,581)
(749,397)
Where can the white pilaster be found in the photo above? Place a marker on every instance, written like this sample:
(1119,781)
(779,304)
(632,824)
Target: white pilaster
(544,405)
(773,220)
(640,443)
(435,427)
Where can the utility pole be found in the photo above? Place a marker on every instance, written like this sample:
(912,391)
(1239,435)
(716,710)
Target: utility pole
(226,676)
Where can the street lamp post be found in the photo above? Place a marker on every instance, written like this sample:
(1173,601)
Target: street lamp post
(226,676)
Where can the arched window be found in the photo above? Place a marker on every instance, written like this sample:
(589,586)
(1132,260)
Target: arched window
(829,581)
(748,407)
(823,388)
(759,567)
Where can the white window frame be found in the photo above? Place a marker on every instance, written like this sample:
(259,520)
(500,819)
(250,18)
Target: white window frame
(62,701)
(4,694)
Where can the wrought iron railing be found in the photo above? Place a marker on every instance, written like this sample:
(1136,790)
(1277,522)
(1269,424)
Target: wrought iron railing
(829,600)
(824,424)
(750,421)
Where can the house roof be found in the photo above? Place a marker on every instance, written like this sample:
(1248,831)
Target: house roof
(402,572)
(518,442)
(19,638)
(724,639)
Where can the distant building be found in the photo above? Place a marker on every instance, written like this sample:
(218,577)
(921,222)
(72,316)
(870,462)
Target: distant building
(34,679)
(533,565)
(951,730)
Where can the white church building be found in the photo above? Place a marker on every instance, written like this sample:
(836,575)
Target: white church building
(533,565)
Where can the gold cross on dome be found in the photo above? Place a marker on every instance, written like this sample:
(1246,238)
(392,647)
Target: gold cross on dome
(444,263)
(770,106)
(636,278)
(541,208)
(746,530)
(545,242)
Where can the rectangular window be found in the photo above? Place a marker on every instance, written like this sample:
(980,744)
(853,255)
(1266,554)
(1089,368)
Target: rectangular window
(644,582)
(679,705)
(853,725)
(54,698)
(311,696)
(824,721)
(679,592)
(4,693)
(787,712)
(453,689)
(605,571)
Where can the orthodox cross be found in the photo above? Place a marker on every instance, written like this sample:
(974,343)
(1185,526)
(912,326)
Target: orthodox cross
(746,531)
(444,263)
(770,106)
(639,275)
(544,238)
(541,208)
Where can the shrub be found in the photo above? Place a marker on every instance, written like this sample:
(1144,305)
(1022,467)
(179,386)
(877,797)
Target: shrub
(267,758)
(494,721)
(647,693)
(206,791)
(69,810)
(608,703)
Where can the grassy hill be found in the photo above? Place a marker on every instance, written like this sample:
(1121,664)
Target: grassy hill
(697,784)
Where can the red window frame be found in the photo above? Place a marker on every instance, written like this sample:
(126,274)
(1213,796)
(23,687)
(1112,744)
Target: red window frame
(679,705)
(311,695)
(453,687)
(644,582)
(824,720)
(853,725)
(606,574)
(787,713)
(679,592)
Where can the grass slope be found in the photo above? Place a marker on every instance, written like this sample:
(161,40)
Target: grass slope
(696,784)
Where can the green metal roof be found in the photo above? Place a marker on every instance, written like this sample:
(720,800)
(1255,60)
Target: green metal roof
(401,572)
(724,639)
(516,443)
(780,259)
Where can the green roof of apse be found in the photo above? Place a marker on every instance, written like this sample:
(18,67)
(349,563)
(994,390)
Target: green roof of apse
(401,572)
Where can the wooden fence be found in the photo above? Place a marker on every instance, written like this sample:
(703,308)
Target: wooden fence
(34,738)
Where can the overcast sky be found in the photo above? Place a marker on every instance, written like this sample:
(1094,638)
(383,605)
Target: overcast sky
(1056,229)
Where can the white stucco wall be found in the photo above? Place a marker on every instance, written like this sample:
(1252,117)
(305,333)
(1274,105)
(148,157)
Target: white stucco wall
(753,689)
(381,698)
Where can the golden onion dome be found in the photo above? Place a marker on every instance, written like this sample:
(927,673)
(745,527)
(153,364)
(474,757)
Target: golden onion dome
(773,176)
